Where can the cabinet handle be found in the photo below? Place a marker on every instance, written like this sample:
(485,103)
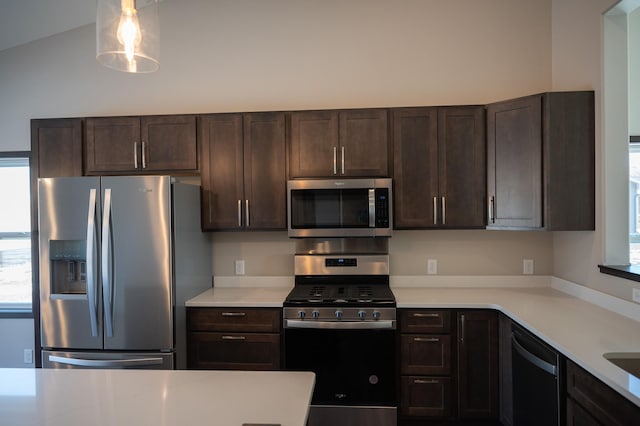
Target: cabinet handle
(492,219)
(435,210)
(444,211)
(425,382)
(239,213)
(462,328)
(233,314)
(246,213)
(335,160)
(135,155)
(427,315)
(233,338)
(144,157)
(342,160)
(426,339)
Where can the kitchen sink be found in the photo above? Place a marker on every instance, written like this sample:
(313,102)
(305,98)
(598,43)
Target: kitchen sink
(628,361)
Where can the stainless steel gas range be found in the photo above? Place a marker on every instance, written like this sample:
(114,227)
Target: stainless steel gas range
(339,322)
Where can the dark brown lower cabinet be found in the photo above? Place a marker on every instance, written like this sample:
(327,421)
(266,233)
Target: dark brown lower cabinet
(591,402)
(425,396)
(478,364)
(448,374)
(233,338)
(234,351)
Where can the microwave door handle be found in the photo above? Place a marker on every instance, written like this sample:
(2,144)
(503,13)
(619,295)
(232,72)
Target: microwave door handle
(372,208)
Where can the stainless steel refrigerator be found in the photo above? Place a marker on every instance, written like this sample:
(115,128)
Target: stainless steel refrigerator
(118,258)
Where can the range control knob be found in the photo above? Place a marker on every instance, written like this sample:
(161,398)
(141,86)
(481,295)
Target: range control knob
(376,315)
(315,314)
(338,314)
(362,314)
(301,314)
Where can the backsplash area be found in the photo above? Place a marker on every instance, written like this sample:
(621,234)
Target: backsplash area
(457,252)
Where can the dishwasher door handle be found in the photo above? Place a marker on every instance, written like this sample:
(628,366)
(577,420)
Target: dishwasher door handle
(540,363)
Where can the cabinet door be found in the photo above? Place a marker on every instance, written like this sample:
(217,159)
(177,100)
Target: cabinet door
(169,143)
(415,158)
(425,396)
(425,354)
(222,171)
(313,149)
(461,167)
(478,364)
(265,171)
(233,351)
(514,163)
(56,147)
(112,144)
(364,143)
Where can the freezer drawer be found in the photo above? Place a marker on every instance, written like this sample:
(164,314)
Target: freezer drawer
(106,360)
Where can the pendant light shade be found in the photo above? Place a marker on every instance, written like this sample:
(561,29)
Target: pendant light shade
(128,35)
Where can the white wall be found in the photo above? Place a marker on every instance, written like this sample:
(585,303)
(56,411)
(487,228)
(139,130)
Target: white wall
(16,335)
(578,63)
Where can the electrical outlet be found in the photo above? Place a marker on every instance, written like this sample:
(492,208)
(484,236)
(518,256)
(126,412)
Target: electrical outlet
(239,267)
(527,266)
(432,266)
(28,356)
(636,295)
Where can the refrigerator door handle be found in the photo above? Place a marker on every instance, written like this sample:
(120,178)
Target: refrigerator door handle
(102,363)
(106,283)
(92,293)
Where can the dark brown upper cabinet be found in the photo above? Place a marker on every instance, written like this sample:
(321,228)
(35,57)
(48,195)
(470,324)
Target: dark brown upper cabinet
(439,167)
(148,144)
(540,162)
(349,143)
(243,171)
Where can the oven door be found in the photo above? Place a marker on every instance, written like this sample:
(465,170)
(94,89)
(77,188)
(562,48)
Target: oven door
(355,373)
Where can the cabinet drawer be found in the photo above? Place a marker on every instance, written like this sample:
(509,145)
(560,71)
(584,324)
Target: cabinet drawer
(599,400)
(234,351)
(425,354)
(234,319)
(425,321)
(425,396)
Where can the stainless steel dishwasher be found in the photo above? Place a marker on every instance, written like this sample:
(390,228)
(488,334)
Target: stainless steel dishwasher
(537,381)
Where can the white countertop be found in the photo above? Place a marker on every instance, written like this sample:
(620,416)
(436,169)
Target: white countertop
(580,330)
(248,297)
(35,397)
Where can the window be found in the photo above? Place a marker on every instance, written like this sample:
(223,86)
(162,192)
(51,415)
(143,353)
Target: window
(634,200)
(15,232)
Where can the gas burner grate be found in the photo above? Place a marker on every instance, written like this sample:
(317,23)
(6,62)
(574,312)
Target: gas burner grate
(316,291)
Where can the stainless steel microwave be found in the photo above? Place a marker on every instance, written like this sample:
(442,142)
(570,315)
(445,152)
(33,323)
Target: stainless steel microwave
(340,207)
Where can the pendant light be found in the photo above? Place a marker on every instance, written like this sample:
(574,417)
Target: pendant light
(128,35)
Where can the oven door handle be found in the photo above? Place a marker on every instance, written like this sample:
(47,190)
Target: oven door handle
(342,325)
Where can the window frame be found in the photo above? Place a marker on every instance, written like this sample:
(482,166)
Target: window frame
(22,310)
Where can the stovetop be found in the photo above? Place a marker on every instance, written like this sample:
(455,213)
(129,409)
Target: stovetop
(329,294)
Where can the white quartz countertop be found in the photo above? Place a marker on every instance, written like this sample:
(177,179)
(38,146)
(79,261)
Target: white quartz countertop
(249,297)
(60,397)
(580,330)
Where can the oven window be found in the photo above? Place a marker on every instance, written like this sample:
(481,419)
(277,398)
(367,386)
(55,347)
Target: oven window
(329,208)
(353,367)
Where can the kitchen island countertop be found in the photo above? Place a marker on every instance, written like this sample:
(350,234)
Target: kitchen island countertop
(60,397)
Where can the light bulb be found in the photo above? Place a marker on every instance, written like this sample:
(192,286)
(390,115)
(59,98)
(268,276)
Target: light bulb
(129,34)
